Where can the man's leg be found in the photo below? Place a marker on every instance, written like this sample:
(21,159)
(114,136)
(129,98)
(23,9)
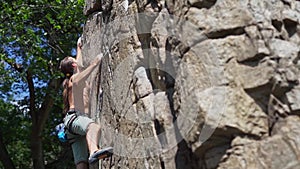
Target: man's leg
(92,137)
(80,152)
(85,126)
(82,165)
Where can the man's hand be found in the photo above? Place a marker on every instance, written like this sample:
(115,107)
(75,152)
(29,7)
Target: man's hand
(79,42)
(100,56)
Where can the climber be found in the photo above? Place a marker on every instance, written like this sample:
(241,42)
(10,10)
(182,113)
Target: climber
(82,132)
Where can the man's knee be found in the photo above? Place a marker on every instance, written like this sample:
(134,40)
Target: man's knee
(94,125)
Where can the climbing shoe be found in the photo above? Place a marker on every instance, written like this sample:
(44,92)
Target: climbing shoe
(100,154)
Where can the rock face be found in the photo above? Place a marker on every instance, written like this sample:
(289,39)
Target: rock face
(196,83)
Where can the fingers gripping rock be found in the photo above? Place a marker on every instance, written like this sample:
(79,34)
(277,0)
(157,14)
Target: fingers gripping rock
(79,42)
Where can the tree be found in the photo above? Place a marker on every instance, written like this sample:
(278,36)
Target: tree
(34,36)
(7,162)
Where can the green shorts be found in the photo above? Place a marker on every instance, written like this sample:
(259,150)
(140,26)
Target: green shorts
(77,136)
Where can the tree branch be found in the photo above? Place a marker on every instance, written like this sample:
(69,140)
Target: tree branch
(17,67)
(47,104)
(31,96)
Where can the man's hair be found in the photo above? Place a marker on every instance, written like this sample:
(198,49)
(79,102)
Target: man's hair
(66,67)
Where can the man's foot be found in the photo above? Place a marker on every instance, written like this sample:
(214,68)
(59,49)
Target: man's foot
(100,154)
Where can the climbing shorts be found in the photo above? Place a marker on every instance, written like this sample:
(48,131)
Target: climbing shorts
(80,149)
(77,125)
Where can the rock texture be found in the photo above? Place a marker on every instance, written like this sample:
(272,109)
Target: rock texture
(196,83)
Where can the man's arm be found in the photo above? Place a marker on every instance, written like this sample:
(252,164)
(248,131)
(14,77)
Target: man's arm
(78,54)
(82,76)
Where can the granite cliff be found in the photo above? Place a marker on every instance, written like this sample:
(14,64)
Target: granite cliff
(196,83)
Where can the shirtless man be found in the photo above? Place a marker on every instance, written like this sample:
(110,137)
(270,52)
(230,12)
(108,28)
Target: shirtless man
(82,132)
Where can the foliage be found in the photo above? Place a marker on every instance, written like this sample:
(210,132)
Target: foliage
(15,132)
(34,36)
